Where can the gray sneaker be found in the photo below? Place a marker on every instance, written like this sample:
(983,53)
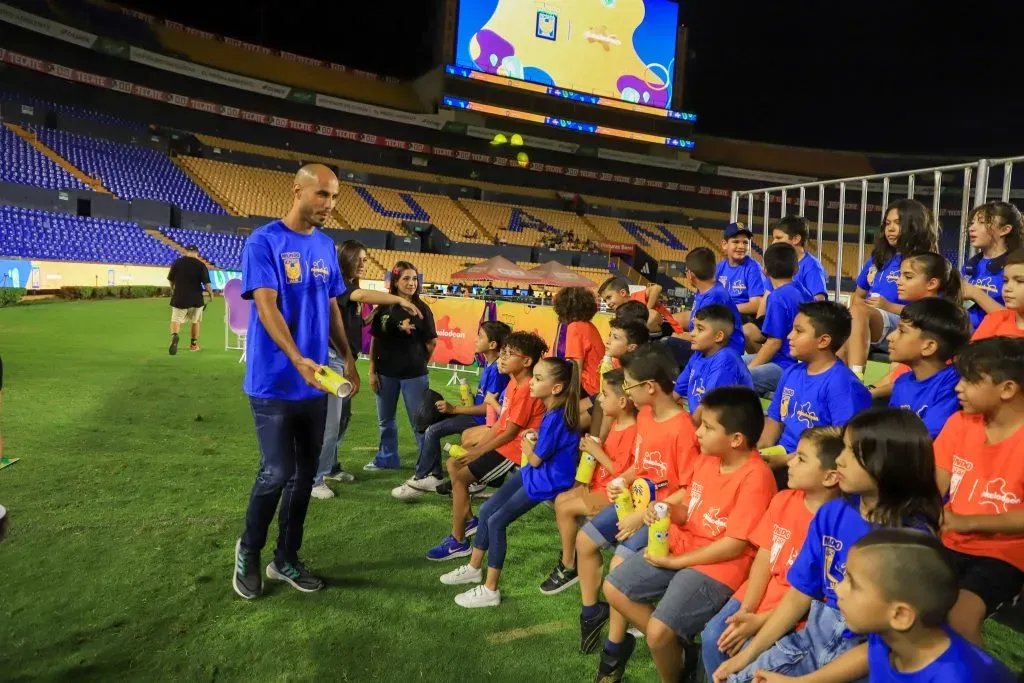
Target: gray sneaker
(294,573)
(342,476)
(247,581)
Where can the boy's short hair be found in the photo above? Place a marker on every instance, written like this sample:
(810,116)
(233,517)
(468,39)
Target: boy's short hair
(632,310)
(652,362)
(911,566)
(828,442)
(496,331)
(1001,358)
(780,261)
(719,316)
(1015,258)
(738,409)
(941,321)
(701,262)
(614,283)
(793,226)
(528,344)
(831,318)
(635,330)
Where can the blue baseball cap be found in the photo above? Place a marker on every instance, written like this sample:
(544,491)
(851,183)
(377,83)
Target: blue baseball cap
(734,229)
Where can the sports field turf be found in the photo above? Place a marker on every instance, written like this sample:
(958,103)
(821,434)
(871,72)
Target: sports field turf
(135,471)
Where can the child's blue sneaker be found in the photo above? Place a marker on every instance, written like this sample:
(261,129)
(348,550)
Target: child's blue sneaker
(471,526)
(449,549)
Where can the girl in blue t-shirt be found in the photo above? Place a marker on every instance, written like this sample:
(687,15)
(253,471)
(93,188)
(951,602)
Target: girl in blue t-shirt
(887,477)
(995,231)
(908,227)
(549,468)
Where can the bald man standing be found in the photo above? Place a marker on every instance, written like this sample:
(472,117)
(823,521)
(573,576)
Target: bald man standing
(290,271)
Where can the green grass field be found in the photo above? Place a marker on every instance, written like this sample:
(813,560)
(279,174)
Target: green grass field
(125,507)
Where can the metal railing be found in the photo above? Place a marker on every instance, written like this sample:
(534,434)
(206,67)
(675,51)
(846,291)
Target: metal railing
(974,176)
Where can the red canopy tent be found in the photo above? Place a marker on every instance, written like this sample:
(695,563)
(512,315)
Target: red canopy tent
(555,274)
(495,268)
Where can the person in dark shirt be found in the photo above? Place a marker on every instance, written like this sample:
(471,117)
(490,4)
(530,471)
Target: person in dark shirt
(399,352)
(189,277)
(352,258)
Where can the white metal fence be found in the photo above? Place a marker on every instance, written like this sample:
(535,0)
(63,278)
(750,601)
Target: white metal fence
(951,189)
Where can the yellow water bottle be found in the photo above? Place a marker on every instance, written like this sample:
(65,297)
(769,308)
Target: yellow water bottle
(454,450)
(464,392)
(333,383)
(606,366)
(532,438)
(657,533)
(623,500)
(588,463)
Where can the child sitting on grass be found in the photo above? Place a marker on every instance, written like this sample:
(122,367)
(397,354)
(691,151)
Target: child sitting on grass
(550,465)
(614,457)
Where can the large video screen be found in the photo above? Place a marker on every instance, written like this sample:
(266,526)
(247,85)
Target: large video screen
(621,49)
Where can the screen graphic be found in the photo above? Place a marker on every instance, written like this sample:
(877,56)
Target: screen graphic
(620,49)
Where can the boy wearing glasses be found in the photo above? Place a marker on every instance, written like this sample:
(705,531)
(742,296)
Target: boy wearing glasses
(664,453)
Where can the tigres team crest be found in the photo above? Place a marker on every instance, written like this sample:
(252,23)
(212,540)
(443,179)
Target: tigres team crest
(872,273)
(292,267)
(787,394)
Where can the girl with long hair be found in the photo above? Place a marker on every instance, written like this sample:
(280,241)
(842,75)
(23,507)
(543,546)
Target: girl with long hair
(995,231)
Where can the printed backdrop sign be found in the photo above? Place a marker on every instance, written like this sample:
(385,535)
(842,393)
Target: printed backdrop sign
(456,322)
(541,320)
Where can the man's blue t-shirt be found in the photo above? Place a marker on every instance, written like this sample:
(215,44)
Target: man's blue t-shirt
(990,283)
(810,273)
(827,399)
(303,270)
(704,373)
(883,282)
(718,295)
(932,400)
(557,446)
(743,282)
(821,564)
(962,662)
(491,382)
(780,310)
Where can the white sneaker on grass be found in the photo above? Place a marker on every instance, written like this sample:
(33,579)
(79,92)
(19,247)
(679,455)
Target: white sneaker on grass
(478,596)
(406,492)
(464,574)
(343,476)
(427,484)
(322,491)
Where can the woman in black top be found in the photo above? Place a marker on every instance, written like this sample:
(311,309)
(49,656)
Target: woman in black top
(399,351)
(352,258)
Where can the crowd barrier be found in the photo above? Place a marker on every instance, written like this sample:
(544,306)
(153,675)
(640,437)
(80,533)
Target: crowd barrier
(965,181)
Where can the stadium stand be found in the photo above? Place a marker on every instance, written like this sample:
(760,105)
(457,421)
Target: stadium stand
(130,172)
(62,237)
(529,226)
(22,163)
(79,113)
(219,249)
(382,208)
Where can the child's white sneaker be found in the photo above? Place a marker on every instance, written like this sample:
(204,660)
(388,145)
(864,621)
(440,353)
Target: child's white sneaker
(478,596)
(464,574)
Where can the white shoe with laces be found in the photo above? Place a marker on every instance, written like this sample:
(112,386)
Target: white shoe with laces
(478,596)
(427,484)
(464,574)
(322,491)
(406,492)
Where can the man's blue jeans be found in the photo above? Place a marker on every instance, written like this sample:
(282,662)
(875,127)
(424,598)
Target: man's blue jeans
(339,412)
(289,434)
(430,445)
(412,391)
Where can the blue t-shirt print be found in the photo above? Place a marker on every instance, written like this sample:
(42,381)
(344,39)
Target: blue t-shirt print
(988,282)
(704,373)
(780,310)
(821,564)
(883,282)
(933,400)
(718,295)
(829,398)
(743,282)
(557,446)
(491,382)
(962,662)
(303,270)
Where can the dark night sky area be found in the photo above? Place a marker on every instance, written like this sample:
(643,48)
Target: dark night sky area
(921,77)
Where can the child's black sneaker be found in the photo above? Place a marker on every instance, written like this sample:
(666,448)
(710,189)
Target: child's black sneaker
(559,579)
(173,348)
(247,581)
(294,573)
(590,629)
(692,667)
(613,666)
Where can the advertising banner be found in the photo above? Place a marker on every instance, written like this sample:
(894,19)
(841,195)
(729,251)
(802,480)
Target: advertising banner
(456,322)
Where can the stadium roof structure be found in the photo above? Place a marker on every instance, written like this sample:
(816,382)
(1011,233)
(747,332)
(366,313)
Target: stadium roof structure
(555,274)
(494,268)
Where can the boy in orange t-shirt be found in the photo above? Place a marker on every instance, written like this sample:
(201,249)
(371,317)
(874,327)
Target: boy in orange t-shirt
(614,456)
(499,449)
(664,453)
(710,554)
(813,481)
(1010,321)
(980,463)
(615,291)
